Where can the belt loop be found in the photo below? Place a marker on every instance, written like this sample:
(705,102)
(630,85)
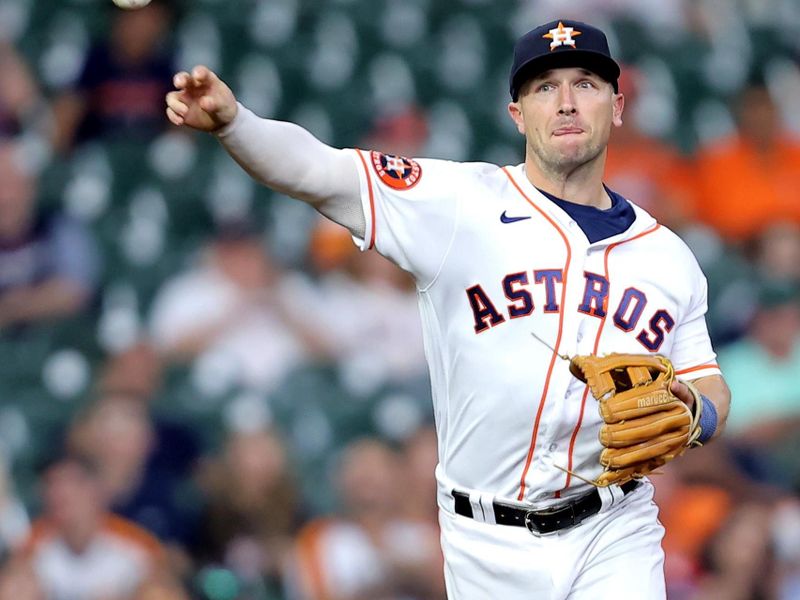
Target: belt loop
(487,504)
(606,498)
(478,512)
(609,496)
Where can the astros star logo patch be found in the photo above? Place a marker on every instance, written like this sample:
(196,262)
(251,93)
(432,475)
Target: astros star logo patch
(398,172)
(561,36)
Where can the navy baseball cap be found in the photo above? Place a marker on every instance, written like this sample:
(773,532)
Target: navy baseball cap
(561,44)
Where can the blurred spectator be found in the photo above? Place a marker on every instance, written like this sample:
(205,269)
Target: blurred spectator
(136,373)
(120,93)
(785,529)
(731,282)
(18,581)
(659,13)
(362,310)
(402,132)
(777,252)
(739,558)
(77,549)
(252,508)
(420,455)
(225,310)
(48,262)
(14,523)
(761,370)
(751,180)
(646,170)
(118,434)
(161,589)
(696,497)
(691,514)
(370,551)
(20,101)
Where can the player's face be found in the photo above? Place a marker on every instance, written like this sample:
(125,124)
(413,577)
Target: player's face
(566,116)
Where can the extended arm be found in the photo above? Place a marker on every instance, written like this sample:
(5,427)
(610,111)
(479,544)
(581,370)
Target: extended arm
(282,156)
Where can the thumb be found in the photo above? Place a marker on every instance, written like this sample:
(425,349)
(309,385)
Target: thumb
(682,392)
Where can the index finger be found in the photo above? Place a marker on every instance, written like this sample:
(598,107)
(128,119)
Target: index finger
(181,80)
(202,75)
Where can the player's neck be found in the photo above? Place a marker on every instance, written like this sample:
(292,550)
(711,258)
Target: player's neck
(583,185)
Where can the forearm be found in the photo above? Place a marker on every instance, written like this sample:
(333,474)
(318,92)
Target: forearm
(188,345)
(52,298)
(287,158)
(716,390)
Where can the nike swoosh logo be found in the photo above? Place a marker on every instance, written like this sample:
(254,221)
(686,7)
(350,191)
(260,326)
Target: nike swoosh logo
(504,218)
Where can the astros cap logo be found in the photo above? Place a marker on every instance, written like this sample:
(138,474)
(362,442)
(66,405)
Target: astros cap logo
(561,36)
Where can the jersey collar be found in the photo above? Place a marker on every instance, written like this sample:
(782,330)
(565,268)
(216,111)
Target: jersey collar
(641,223)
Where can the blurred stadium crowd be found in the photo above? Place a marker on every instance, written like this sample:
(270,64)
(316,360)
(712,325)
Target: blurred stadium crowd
(207,392)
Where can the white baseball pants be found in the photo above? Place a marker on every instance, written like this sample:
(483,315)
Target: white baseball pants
(611,555)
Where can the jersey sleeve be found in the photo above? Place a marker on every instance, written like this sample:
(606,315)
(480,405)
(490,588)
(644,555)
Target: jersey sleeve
(692,353)
(410,209)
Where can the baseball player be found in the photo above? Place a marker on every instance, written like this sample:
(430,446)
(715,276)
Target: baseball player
(500,255)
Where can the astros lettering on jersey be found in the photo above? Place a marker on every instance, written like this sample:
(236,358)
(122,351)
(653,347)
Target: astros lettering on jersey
(494,261)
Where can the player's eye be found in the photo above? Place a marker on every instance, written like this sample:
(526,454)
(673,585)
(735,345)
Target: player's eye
(586,84)
(545,87)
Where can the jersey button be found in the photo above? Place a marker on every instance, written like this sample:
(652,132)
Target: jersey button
(552,447)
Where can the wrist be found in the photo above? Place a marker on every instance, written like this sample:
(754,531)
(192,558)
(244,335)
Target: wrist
(708,420)
(224,130)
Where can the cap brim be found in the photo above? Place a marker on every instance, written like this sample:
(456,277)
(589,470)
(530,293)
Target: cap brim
(596,62)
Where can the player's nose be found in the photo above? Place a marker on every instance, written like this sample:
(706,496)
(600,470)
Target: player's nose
(566,100)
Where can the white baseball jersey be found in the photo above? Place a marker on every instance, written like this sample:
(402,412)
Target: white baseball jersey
(494,261)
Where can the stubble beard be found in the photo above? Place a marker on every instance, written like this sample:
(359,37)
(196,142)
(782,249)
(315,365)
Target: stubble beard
(560,165)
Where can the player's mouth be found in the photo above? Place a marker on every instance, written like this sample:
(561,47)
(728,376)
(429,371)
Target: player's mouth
(561,131)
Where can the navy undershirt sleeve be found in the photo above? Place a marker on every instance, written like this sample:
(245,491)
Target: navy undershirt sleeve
(599,224)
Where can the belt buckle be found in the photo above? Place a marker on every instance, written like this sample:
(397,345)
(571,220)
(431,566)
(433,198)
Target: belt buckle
(529,525)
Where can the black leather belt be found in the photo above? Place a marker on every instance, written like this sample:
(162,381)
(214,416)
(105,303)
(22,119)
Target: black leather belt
(542,522)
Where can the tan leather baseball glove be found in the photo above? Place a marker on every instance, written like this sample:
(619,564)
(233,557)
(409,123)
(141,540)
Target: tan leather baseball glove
(645,424)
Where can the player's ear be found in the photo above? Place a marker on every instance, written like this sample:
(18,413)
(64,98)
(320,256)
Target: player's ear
(515,111)
(618,105)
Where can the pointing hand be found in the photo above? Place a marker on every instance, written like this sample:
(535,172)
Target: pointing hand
(201,100)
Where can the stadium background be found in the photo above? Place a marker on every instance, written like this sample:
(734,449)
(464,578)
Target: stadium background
(275,436)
